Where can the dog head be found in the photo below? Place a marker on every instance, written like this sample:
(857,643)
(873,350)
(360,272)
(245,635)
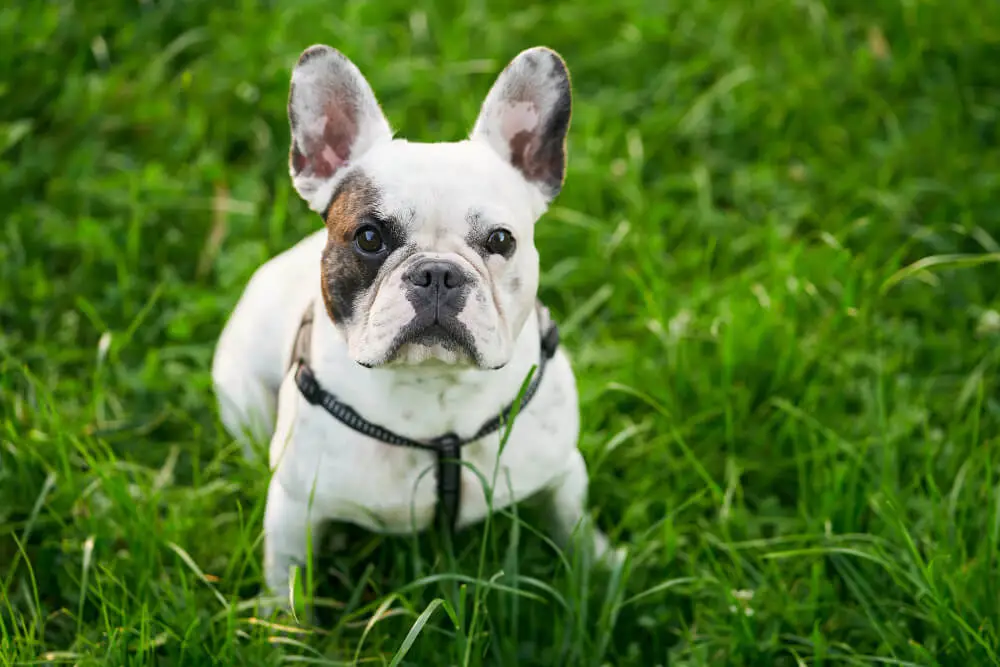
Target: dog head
(430,254)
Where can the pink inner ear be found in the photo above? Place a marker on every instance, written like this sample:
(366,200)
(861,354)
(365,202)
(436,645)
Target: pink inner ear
(326,144)
(518,117)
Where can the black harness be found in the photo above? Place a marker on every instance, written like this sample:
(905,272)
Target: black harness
(447,447)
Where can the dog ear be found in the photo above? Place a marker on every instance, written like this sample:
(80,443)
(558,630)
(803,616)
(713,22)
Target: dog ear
(334,118)
(525,117)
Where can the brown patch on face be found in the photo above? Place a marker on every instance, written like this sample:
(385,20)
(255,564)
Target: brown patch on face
(354,198)
(345,275)
(346,272)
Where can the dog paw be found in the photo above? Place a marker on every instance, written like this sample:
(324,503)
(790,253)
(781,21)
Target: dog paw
(606,556)
(613,559)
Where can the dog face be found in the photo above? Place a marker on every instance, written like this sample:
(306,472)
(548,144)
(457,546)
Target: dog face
(430,254)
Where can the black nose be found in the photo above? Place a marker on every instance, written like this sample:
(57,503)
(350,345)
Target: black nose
(439,275)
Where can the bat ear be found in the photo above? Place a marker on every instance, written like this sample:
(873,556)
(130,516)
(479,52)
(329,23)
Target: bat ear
(334,118)
(525,117)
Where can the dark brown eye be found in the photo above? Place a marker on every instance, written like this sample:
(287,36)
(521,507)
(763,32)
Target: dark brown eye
(368,239)
(500,242)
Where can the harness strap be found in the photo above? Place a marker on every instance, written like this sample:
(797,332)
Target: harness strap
(448,447)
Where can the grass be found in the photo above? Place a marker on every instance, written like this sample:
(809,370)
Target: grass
(796,434)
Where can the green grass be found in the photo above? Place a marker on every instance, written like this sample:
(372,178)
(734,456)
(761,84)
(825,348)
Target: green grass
(769,406)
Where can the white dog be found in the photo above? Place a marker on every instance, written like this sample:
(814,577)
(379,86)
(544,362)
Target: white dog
(379,351)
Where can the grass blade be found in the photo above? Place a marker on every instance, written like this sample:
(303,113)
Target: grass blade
(415,629)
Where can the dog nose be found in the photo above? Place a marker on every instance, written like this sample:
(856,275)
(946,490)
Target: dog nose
(436,274)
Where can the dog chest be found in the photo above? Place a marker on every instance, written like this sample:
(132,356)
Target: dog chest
(349,477)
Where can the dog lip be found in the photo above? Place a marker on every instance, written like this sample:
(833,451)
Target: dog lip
(429,331)
(434,333)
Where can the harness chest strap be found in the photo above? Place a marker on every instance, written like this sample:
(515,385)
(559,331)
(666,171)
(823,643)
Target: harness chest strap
(448,447)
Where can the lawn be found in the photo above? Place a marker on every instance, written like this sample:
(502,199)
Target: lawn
(774,263)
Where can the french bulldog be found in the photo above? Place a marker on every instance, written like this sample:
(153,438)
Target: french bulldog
(417,307)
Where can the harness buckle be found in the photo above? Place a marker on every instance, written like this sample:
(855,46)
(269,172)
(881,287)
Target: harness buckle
(447,445)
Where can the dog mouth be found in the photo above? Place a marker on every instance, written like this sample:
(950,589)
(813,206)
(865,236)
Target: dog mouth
(435,334)
(444,341)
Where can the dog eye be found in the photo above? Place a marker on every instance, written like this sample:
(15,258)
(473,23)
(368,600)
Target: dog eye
(500,242)
(368,239)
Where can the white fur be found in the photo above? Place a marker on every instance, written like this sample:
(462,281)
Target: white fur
(432,188)
(323,470)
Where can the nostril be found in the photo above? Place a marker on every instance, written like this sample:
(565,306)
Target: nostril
(441,275)
(419,278)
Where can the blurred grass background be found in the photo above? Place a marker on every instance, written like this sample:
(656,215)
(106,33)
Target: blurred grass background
(801,456)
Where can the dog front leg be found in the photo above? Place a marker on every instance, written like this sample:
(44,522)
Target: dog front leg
(288,526)
(566,501)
